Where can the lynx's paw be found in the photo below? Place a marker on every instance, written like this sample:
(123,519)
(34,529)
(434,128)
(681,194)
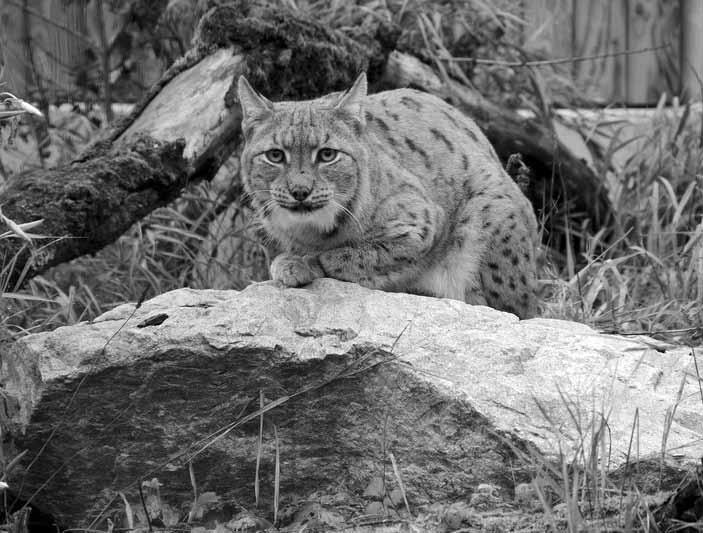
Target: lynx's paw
(294,270)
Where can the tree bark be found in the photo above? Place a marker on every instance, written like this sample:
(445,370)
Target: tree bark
(189,124)
(87,204)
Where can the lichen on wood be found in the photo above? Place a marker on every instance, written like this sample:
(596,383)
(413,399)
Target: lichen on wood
(89,203)
(289,57)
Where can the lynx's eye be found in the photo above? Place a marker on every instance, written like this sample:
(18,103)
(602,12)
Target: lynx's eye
(275,156)
(326,155)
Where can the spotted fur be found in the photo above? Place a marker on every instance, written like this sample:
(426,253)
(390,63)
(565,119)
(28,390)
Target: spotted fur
(415,200)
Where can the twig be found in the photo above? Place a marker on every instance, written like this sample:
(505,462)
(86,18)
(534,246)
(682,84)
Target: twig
(668,421)
(193,510)
(146,511)
(558,61)
(635,424)
(276,476)
(698,374)
(259,446)
(399,479)
(12,464)
(129,515)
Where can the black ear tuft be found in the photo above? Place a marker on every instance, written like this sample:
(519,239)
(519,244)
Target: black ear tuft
(254,106)
(352,101)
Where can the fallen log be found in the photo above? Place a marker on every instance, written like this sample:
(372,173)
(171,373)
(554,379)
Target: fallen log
(88,204)
(189,124)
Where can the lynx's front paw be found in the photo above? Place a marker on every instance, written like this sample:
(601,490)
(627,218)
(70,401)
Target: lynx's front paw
(294,270)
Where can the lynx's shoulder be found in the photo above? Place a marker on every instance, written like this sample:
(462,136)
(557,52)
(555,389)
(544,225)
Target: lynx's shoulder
(409,119)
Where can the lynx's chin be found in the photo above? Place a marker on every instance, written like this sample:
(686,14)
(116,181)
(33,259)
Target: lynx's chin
(302,208)
(305,218)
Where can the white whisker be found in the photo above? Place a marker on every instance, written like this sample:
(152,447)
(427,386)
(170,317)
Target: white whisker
(260,213)
(348,212)
(249,195)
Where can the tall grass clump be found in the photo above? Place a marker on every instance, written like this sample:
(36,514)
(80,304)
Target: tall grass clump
(644,272)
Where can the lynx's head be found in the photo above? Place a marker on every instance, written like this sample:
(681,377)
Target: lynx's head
(304,163)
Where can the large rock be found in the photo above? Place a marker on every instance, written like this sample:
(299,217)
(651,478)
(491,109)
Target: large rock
(453,391)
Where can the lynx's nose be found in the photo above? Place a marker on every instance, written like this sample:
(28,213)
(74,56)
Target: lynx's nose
(300,192)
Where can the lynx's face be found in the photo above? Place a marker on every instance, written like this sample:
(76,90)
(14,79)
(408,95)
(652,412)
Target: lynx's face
(304,162)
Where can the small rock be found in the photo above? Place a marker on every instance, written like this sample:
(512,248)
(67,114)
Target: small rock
(375,488)
(459,515)
(525,493)
(374,508)
(396,497)
(486,496)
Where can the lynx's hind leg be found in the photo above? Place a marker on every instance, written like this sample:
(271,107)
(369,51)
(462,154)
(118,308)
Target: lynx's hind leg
(508,273)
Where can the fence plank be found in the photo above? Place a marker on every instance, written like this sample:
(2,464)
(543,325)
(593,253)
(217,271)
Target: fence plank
(600,27)
(13,48)
(70,48)
(651,23)
(691,47)
(55,50)
(548,27)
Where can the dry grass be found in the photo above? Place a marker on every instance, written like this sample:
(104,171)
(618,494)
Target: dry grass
(647,276)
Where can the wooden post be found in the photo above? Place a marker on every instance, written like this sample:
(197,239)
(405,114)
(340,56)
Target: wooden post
(548,27)
(691,49)
(600,26)
(652,23)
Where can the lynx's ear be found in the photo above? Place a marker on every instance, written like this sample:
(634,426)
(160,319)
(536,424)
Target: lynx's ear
(254,106)
(352,101)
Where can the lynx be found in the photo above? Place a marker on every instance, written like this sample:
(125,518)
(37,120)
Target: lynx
(397,191)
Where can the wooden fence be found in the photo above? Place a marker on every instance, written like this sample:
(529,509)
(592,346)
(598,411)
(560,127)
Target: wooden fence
(672,30)
(50,46)
(56,54)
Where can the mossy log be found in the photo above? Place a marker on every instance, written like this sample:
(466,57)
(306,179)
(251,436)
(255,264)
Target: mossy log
(189,124)
(87,204)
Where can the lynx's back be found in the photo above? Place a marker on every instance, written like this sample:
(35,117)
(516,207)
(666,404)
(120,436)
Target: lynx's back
(400,191)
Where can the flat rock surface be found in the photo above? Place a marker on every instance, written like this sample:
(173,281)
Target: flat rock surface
(451,390)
